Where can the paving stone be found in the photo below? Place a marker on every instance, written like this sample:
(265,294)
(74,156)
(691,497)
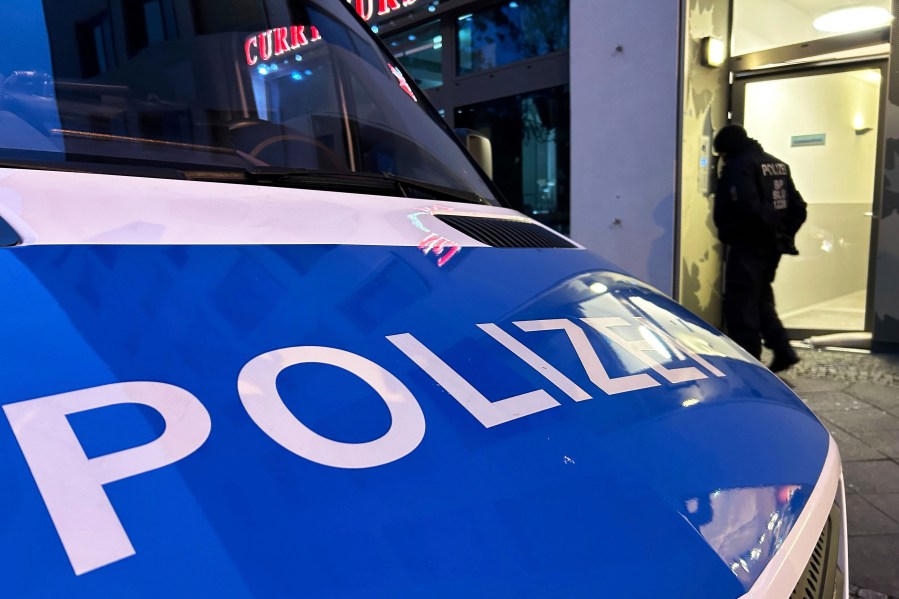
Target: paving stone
(823,401)
(887,503)
(886,441)
(872,482)
(872,563)
(863,518)
(875,476)
(863,420)
(802,384)
(886,398)
(847,368)
(853,449)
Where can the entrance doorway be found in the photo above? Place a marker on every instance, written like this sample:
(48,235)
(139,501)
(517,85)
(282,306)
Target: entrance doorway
(824,124)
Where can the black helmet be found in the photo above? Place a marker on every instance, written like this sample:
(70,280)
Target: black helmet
(730,139)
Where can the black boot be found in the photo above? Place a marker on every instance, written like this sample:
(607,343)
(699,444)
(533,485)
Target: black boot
(783,359)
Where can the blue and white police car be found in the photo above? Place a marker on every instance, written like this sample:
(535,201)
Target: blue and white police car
(268,331)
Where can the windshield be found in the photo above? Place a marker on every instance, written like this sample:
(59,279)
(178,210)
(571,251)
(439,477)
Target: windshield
(293,84)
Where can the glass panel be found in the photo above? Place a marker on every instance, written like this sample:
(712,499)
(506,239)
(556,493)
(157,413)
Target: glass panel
(153,17)
(531,137)
(420,50)
(765,24)
(825,128)
(511,32)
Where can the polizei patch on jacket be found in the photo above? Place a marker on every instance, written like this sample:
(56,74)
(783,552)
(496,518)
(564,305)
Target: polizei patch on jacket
(774,169)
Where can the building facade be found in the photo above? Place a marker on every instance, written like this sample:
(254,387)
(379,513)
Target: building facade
(601,116)
(502,69)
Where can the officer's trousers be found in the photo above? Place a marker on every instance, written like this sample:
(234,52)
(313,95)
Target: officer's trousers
(749,312)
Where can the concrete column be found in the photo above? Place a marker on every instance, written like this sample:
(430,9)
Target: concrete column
(624,133)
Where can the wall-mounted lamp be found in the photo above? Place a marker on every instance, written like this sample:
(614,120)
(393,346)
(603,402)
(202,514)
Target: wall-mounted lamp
(712,53)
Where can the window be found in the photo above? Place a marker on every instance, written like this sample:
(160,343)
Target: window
(420,50)
(530,134)
(510,32)
(95,44)
(147,22)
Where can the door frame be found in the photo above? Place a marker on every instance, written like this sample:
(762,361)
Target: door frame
(737,107)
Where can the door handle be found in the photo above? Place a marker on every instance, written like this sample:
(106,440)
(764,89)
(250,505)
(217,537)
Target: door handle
(869,214)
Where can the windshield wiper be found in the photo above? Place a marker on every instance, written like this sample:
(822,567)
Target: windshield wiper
(346,182)
(433,191)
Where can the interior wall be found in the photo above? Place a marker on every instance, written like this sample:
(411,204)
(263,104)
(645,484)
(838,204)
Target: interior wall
(780,109)
(704,111)
(624,108)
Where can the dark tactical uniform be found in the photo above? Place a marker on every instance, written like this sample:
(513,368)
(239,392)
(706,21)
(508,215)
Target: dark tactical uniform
(758,212)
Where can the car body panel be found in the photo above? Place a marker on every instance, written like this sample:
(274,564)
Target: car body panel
(684,487)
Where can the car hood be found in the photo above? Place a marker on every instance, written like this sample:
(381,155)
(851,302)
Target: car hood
(649,456)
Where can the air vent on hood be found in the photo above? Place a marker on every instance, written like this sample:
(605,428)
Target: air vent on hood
(505,233)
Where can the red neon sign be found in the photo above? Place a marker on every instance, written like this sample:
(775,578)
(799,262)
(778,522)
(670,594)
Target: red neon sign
(366,8)
(278,41)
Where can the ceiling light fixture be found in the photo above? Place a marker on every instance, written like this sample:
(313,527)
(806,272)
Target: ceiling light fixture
(853,18)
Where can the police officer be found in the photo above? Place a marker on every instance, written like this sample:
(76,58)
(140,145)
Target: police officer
(758,212)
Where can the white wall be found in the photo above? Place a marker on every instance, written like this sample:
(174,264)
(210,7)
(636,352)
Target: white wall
(842,170)
(624,114)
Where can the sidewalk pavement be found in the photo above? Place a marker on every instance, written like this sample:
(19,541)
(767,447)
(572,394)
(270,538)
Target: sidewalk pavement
(856,396)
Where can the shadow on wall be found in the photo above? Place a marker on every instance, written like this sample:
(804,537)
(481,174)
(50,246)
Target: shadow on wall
(701,285)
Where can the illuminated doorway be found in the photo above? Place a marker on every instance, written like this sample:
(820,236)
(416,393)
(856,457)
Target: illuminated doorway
(824,124)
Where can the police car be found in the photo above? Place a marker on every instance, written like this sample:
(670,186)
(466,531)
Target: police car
(268,331)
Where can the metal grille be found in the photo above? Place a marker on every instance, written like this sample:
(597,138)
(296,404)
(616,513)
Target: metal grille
(505,233)
(820,575)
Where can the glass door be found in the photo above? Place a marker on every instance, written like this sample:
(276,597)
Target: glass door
(825,126)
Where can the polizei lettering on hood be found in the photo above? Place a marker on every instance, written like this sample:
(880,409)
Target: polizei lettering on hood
(71,484)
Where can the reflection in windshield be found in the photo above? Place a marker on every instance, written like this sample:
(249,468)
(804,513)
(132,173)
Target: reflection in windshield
(297,84)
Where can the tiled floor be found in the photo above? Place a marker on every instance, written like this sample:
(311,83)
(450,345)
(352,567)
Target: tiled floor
(857,398)
(844,313)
